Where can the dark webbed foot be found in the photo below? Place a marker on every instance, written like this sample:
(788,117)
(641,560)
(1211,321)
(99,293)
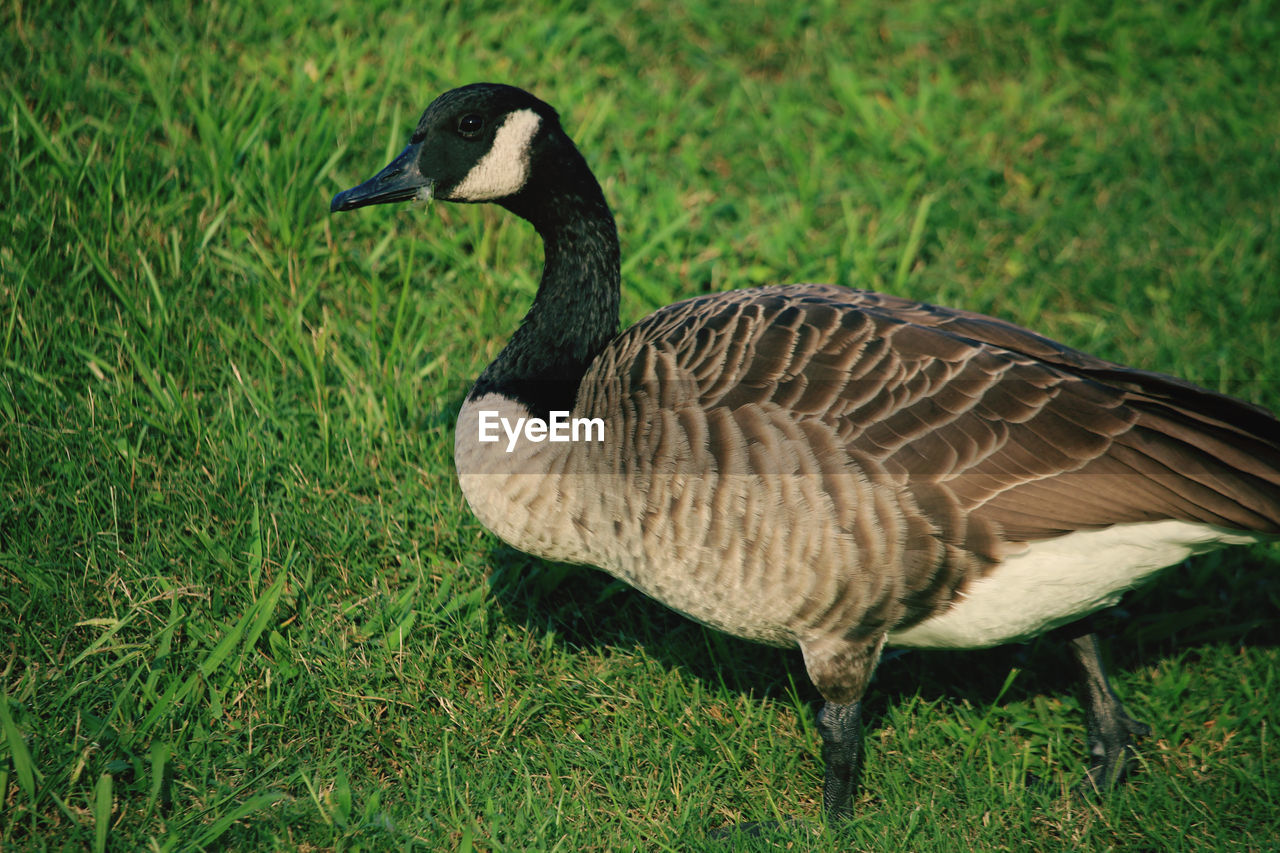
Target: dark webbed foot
(1111,729)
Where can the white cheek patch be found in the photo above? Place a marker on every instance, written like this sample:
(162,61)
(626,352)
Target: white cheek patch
(504,170)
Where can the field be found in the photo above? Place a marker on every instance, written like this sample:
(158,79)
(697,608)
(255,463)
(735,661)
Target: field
(244,604)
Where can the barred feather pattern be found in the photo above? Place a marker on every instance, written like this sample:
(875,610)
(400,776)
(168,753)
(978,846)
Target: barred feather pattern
(789,464)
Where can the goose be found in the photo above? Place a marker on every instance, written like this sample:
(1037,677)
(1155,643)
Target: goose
(815,466)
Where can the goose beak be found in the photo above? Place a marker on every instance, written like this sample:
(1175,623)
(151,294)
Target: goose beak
(401,180)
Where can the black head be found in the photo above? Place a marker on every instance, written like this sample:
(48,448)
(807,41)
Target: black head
(473,144)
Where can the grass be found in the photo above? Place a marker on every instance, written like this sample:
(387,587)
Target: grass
(246,606)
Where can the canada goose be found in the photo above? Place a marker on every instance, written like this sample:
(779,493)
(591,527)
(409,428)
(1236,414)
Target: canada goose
(816,466)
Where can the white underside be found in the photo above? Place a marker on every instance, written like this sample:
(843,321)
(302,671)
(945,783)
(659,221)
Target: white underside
(1056,581)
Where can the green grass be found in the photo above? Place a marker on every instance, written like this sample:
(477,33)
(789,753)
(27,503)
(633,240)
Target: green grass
(244,603)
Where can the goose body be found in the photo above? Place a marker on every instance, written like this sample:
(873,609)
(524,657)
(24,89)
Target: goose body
(815,466)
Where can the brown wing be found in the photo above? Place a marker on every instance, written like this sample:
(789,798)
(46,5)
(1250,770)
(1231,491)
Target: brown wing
(1188,453)
(996,432)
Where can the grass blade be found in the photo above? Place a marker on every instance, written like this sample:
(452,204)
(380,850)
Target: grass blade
(101,812)
(28,775)
(222,824)
(912,248)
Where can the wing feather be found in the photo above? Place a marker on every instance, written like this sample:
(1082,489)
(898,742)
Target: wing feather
(992,428)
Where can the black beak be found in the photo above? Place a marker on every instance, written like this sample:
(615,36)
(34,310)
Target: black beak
(401,180)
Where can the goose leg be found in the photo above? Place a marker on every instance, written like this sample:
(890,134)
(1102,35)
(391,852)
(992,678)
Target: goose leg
(841,730)
(1111,729)
(841,670)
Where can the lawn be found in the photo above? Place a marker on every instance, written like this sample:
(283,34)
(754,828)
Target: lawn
(244,603)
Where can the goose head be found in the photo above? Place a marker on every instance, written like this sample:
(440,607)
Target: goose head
(488,142)
(477,143)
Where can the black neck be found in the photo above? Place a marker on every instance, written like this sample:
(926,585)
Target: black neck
(575,313)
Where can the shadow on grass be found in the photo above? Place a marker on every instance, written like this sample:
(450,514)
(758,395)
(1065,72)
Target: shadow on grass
(1228,597)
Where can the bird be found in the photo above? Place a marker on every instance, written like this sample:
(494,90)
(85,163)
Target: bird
(817,466)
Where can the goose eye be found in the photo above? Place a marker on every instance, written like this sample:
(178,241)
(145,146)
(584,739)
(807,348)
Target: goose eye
(469,125)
